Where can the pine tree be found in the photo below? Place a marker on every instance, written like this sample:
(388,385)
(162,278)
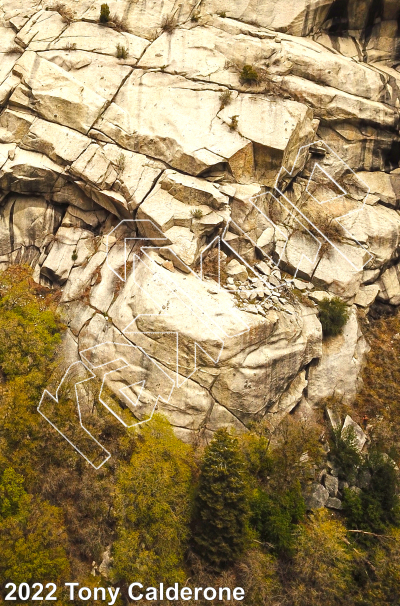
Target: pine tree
(221,511)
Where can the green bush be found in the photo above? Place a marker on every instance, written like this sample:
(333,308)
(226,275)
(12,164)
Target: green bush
(104,13)
(249,75)
(29,330)
(376,507)
(275,517)
(122,52)
(345,453)
(385,586)
(384,485)
(320,572)
(363,511)
(333,315)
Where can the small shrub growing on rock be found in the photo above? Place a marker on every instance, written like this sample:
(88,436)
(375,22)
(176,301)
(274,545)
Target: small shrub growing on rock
(196,213)
(14,49)
(249,75)
(333,315)
(122,52)
(104,13)
(225,98)
(234,122)
(74,256)
(169,23)
(222,14)
(121,161)
(326,224)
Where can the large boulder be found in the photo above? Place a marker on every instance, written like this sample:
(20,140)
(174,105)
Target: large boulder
(29,172)
(337,371)
(389,286)
(159,318)
(150,118)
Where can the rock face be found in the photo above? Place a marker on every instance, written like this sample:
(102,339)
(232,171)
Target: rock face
(195,179)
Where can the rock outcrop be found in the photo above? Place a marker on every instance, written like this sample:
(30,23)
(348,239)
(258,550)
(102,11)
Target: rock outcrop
(195,178)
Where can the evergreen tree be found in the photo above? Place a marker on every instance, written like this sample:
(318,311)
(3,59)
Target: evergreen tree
(222,503)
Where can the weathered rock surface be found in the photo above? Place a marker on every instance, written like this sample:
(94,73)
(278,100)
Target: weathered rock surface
(359,435)
(338,370)
(317,497)
(245,200)
(143,118)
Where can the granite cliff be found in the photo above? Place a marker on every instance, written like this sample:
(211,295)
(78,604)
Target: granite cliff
(195,177)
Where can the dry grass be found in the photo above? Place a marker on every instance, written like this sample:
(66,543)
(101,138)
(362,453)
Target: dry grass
(12,50)
(196,213)
(169,23)
(225,98)
(328,226)
(379,397)
(121,163)
(120,24)
(211,264)
(67,14)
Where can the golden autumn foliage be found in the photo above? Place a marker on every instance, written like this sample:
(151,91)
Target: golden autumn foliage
(58,515)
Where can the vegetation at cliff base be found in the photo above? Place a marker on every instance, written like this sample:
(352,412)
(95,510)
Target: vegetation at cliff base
(232,512)
(32,535)
(152,507)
